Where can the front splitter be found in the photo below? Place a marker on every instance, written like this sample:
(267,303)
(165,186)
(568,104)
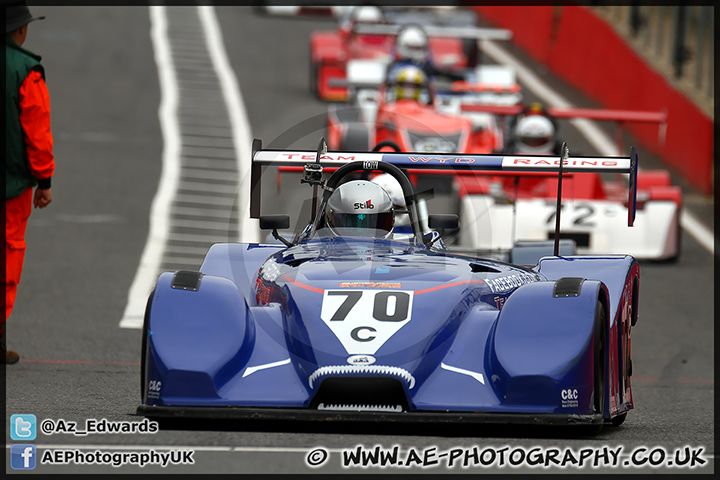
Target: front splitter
(301,414)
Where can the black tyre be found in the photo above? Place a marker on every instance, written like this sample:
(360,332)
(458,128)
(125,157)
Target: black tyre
(143,352)
(599,370)
(618,420)
(387,143)
(599,359)
(678,237)
(356,138)
(314,79)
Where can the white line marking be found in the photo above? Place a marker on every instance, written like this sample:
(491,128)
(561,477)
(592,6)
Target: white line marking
(599,139)
(242,137)
(147,272)
(159,213)
(704,236)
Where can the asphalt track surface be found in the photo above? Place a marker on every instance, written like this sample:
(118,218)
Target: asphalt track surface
(83,252)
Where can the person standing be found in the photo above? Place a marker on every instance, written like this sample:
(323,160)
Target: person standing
(29,160)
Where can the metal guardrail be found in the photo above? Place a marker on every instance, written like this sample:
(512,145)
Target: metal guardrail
(678,40)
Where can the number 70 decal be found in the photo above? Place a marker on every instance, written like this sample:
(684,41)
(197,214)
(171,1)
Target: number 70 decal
(363,320)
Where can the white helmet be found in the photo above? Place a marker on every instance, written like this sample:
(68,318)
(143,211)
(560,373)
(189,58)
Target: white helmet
(367,14)
(535,134)
(360,208)
(392,187)
(412,44)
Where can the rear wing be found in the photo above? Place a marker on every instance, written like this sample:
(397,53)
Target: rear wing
(478,33)
(457,162)
(619,116)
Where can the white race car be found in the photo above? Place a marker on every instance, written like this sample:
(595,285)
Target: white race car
(498,211)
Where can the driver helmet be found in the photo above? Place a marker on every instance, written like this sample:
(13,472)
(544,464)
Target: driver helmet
(412,44)
(362,206)
(535,133)
(393,189)
(409,82)
(367,14)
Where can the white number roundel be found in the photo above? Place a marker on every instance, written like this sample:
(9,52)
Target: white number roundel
(363,320)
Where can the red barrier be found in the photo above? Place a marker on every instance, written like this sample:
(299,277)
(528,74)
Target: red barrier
(584,50)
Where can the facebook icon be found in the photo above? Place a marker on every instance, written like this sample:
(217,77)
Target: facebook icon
(22,457)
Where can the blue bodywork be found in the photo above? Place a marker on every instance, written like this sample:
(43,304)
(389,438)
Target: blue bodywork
(481,336)
(358,327)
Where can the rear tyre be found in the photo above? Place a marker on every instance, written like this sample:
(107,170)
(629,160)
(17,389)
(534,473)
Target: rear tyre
(387,143)
(678,237)
(356,138)
(599,359)
(599,371)
(314,79)
(618,420)
(143,352)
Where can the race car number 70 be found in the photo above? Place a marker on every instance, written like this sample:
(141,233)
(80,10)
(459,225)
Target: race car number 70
(365,319)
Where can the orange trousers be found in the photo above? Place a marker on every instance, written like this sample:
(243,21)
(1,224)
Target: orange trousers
(17,212)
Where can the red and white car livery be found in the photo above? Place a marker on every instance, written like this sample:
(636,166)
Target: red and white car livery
(498,210)
(452,42)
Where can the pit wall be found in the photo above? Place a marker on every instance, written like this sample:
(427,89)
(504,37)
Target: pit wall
(584,50)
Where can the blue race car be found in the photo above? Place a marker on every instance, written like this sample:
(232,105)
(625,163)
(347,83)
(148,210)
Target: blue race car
(354,320)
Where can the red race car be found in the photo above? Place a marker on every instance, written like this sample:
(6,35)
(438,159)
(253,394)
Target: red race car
(401,114)
(368,34)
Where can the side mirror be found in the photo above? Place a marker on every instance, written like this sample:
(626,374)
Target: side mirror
(274,222)
(443,221)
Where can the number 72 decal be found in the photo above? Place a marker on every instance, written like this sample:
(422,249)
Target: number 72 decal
(581,214)
(363,320)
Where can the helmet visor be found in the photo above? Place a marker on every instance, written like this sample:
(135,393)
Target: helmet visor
(368,221)
(534,141)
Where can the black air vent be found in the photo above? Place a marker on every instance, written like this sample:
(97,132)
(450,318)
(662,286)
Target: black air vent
(479,268)
(366,392)
(568,287)
(186,280)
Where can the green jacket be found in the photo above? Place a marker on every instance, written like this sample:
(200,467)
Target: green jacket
(19,62)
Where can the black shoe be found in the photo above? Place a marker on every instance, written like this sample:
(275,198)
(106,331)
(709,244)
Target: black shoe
(11,357)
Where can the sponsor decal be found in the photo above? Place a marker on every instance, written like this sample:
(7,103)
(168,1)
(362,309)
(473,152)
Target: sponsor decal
(300,156)
(509,282)
(371,284)
(569,397)
(303,157)
(361,360)
(370,165)
(366,205)
(154,387)
(499,302)
(442,159)
(599,162)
